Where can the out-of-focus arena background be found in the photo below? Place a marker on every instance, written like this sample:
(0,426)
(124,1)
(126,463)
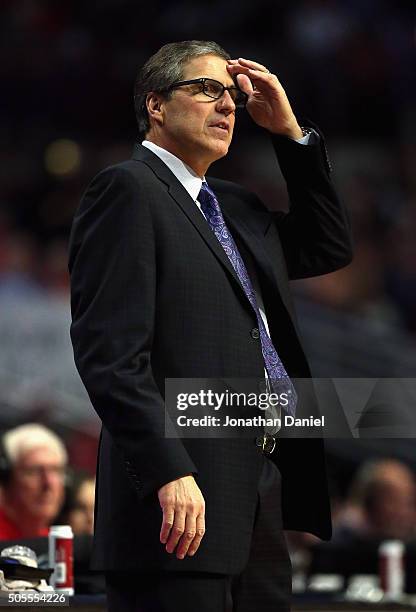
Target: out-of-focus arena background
(67,71)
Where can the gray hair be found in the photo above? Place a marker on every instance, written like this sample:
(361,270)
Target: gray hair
(165,67)
(26,437)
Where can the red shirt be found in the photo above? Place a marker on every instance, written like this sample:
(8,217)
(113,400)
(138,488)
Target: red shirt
(10,531)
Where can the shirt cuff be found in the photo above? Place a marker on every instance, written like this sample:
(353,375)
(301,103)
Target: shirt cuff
(309,139)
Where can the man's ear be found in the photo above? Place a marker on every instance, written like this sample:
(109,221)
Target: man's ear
(154,104)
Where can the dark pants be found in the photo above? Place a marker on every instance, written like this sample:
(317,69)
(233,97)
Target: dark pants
(264,584)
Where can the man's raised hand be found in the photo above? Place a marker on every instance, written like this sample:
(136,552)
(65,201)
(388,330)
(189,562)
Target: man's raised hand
(267,102)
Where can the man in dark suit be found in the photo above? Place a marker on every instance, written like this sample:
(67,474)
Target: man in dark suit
(173,277)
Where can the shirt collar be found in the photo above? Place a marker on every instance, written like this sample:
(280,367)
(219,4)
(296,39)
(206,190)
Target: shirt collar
(185,175)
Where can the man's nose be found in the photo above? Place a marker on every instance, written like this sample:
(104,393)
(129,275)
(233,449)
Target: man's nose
(226,103)
(50,478)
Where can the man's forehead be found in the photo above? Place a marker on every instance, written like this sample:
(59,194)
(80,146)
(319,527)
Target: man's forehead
(39,454)
(210,66)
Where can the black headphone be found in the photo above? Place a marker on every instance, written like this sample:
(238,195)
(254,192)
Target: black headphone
(5,464)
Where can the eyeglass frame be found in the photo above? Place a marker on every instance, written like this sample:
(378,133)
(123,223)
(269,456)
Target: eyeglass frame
(224,88)
(35,471)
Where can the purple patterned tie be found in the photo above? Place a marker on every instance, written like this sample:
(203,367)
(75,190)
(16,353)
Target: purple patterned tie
(278,376)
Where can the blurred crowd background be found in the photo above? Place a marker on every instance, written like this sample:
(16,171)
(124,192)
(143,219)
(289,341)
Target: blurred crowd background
(67,71)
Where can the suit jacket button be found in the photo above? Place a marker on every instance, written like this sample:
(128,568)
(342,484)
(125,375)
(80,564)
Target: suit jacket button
(255,334)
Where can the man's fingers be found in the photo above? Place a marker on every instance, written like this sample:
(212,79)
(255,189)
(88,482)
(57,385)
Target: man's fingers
(200,531)
(251,64)
(245,84)
(176,532)
(167,524)
(244,63)
(259,80)
(187,537)
(252,73)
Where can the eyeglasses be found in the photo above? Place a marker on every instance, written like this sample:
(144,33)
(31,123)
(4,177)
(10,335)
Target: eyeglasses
(36,471)
(214,89)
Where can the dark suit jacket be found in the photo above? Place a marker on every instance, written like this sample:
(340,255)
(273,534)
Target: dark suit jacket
(154,296)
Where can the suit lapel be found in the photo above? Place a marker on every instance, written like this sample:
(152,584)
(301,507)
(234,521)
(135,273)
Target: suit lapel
(256,246)
(188,206)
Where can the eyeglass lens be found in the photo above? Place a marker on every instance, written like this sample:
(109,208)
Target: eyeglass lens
(215,89)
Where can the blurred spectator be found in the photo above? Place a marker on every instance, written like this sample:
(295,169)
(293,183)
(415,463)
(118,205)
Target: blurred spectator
(381,504)
(17,269)
(33,465)
(78,509)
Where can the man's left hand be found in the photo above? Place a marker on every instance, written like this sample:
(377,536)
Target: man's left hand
(267,102)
